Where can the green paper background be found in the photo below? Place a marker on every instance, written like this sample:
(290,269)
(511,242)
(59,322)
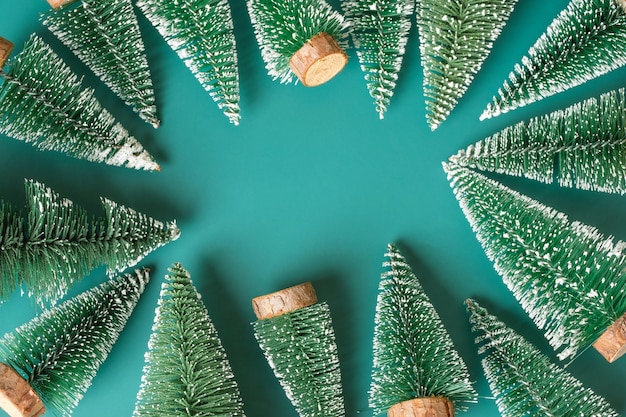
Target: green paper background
(311,186)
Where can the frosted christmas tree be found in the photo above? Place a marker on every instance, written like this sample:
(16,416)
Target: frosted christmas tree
(105,35)
(566,275)
(299,37)
(43,103)
(380,31)
(582,146)
(585,41)
(50,361)
(416,366)
(55,243)
(523,380)
(186,370)
(202,35)
(296,335)
(456,36)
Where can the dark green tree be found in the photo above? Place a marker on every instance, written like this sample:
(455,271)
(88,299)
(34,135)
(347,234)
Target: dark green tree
(523,380)
(105,35)
(59,352)
(414,356)
(186,371)
(55,243)
(586,40)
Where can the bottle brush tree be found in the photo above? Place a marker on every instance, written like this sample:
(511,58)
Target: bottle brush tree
(582,146)
(105,35)
(566,275)
(55,243)
(586,40)
(299,37)
(416,366)
(456,36)
(186,371)
(202,34)
(51,361)
(296,335)
(43,103)
(523,380)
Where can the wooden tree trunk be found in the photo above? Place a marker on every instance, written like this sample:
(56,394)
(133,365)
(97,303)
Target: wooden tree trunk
(17,397)
(423,407)
(6,47)
(284,301)
(612,343)
(319,60)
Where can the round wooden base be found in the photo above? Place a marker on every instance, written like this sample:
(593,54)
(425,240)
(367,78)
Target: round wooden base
(284,301)
(319,60)
(423,407)
(17,397)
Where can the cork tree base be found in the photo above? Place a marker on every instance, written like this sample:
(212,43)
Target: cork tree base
(17,398)
(319,60)
(423,407)
(55,4)
(612,343)
(284,301)
(6,46)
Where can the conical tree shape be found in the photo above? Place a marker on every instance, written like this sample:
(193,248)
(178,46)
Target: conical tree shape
(60,351)
(54,243)
(43,103)
(414,356)
(380,31)
(523,380)
(297,337)
(582,146)
(566,275)
(186,371)
(105,35)
(299,37)
(202,34)
(456,36)
(586,40)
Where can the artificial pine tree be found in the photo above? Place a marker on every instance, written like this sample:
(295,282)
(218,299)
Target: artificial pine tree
(380,31)
(586,40)
(42,102)
(202,35)
(186,371)
(566,275)
(416,366)
(105,35)
(523,380)
(296,335)
(582,146)
(456,37)
(301,37)
(54,243)
(51,360)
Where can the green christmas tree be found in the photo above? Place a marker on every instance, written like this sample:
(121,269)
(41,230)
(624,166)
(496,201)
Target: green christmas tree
(202,35)
(456,37)
(186,371)
(299,37)
(105,35)
(582,146)
(523,380)
(586,40)
(43,103)
(54,243)
(414,357)
(380,31)
(59,352)
(566,275)
(296,335)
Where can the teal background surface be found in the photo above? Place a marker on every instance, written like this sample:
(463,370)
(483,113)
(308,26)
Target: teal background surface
(310,187)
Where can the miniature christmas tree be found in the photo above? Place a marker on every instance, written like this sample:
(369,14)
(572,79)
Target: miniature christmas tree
(415,364)
(582,146)
(105,35)
(202,35)
(42,102)
(301,37)
(566,275)
(523,380)
(380,31)
(586,40)
(54,244)
(186,371)
(456,37)
(54,357)
(296,335)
